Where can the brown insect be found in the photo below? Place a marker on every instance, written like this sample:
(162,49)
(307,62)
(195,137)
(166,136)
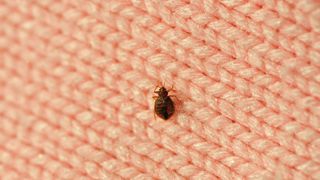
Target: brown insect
(163,105)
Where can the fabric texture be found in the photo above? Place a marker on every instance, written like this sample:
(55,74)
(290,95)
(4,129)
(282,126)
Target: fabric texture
(77,80)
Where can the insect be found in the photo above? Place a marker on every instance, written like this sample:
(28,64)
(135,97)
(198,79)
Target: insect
(163,105)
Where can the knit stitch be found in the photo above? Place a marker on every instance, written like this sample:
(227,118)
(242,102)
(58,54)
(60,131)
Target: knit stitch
(77,80)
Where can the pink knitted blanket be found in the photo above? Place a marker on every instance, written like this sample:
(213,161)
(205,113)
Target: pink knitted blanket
(77,80)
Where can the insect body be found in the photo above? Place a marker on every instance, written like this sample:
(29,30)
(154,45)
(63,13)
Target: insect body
(163,105)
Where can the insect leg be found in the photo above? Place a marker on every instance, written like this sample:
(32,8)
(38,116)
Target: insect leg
(172,89)
(174,96)
(154,116)
(156,89)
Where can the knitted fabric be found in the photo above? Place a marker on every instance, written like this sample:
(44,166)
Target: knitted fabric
(77,80)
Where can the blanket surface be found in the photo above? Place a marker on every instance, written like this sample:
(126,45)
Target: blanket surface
(77,80)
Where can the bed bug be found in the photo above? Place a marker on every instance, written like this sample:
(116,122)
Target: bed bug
(163,105)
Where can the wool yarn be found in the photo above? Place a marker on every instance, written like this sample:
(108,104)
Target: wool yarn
(77,80)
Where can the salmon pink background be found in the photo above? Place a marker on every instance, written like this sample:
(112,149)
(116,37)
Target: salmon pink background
(77,80)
